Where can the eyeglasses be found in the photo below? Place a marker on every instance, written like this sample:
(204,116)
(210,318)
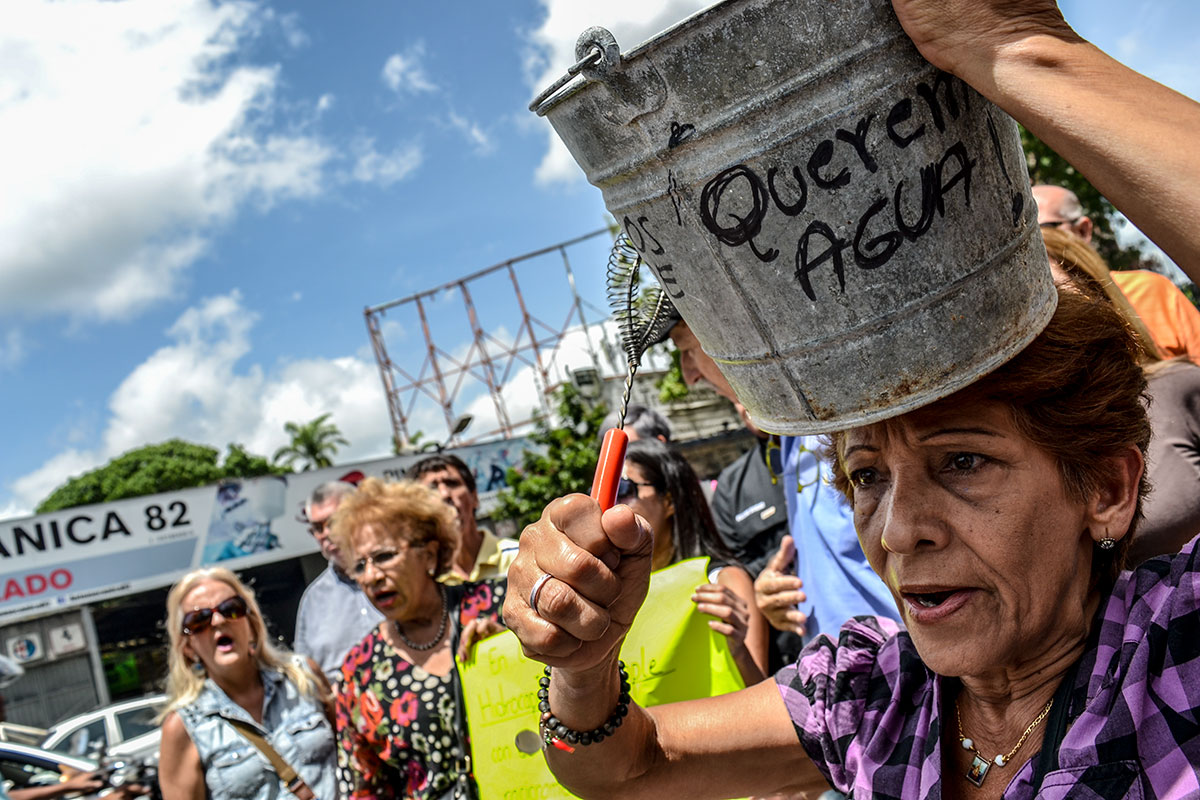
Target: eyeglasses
(1054,223)
(318,528)
(774,459)
(381,558)
(627,489)
(197,620)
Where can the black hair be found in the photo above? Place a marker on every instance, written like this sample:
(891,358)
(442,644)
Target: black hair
(693,529)
(648,423)
(438,462)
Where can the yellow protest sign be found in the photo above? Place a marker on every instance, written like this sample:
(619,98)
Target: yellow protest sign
(670,653)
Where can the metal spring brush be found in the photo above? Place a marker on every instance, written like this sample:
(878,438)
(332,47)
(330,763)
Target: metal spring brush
(643,317)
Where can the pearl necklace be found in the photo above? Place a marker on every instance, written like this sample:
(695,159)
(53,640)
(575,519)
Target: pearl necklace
(441,628)
(980,765)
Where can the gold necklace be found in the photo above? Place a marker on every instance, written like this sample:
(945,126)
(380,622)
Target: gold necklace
(980,765)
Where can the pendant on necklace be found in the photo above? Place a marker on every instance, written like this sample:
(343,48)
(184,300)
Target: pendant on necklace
(978,771)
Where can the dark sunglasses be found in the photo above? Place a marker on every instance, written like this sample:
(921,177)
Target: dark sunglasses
(627,489)
(198,619)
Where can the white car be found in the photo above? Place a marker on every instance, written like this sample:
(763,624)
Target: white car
(23,767)
(125,730)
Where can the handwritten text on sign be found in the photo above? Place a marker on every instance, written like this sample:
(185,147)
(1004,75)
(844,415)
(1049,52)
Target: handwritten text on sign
(671,655)
(746,205)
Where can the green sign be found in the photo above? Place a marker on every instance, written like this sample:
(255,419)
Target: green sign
(670,653)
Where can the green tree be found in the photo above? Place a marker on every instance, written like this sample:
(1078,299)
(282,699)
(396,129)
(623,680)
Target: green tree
(1047,166)
(413,445)
(164,467)
(565,463)
(314,444)
(671,385)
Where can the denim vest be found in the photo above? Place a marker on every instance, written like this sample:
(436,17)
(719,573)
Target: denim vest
(294,725)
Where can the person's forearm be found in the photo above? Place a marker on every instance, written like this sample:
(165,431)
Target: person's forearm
(1133,138)
(733,745)
(584,700)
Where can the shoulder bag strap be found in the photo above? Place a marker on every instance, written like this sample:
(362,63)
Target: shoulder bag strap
(294,782)
(464,788)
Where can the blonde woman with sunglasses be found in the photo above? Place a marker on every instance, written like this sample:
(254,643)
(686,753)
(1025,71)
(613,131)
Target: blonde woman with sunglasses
(245,720)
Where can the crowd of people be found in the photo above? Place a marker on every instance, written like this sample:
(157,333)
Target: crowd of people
(989,596)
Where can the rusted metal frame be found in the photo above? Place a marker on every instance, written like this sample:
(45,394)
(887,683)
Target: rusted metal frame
(461,370)
(587,335)
(540,377)
(416,384)
(395,410)
(514,353)
(488,270)
(485,358)
(447,409)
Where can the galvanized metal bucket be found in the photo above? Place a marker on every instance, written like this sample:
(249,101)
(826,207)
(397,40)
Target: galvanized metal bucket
(847,230)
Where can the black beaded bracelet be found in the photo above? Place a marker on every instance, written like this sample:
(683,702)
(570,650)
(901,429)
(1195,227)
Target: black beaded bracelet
(555,733)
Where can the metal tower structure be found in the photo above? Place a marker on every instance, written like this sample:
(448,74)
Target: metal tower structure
(489,355)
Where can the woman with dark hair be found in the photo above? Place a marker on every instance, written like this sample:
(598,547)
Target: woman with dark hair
(661,486)
(1172,511)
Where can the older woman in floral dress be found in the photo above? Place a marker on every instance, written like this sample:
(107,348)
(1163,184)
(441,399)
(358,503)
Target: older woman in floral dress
(401,725)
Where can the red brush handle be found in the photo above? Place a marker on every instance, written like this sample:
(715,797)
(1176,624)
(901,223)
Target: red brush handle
(609,467)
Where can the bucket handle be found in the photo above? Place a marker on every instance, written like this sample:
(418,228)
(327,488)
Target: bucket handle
(596,47)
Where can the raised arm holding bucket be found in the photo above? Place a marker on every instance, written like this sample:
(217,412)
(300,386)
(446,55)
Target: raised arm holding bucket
(1132,137)
(998,516)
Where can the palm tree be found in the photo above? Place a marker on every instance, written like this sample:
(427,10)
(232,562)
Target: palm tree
(313,444)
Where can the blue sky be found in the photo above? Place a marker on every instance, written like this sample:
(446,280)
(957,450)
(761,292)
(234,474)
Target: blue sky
(200,198)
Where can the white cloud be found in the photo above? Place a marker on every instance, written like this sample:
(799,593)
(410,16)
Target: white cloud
(295,35)
(198,388)
(128,132)
(480,142)
(12,348)
(552,50)
(404,72)
(31,489)
(324,103)
(384,169)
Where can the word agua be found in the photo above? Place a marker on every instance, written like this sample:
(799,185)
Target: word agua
(874,241)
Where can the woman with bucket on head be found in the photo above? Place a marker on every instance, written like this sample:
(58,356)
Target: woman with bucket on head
(999,517)
(244,719)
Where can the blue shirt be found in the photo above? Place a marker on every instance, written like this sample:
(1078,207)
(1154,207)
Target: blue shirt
(838,581)
(294,724)
(334,616)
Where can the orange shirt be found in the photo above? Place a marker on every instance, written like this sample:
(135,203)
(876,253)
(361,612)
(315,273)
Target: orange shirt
(1171,318)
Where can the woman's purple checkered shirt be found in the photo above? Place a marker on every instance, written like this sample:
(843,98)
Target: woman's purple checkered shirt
(869,712)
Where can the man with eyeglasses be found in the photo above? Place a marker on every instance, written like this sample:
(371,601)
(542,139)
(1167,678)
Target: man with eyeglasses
(830,565)
(334,613)
(1173,322)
